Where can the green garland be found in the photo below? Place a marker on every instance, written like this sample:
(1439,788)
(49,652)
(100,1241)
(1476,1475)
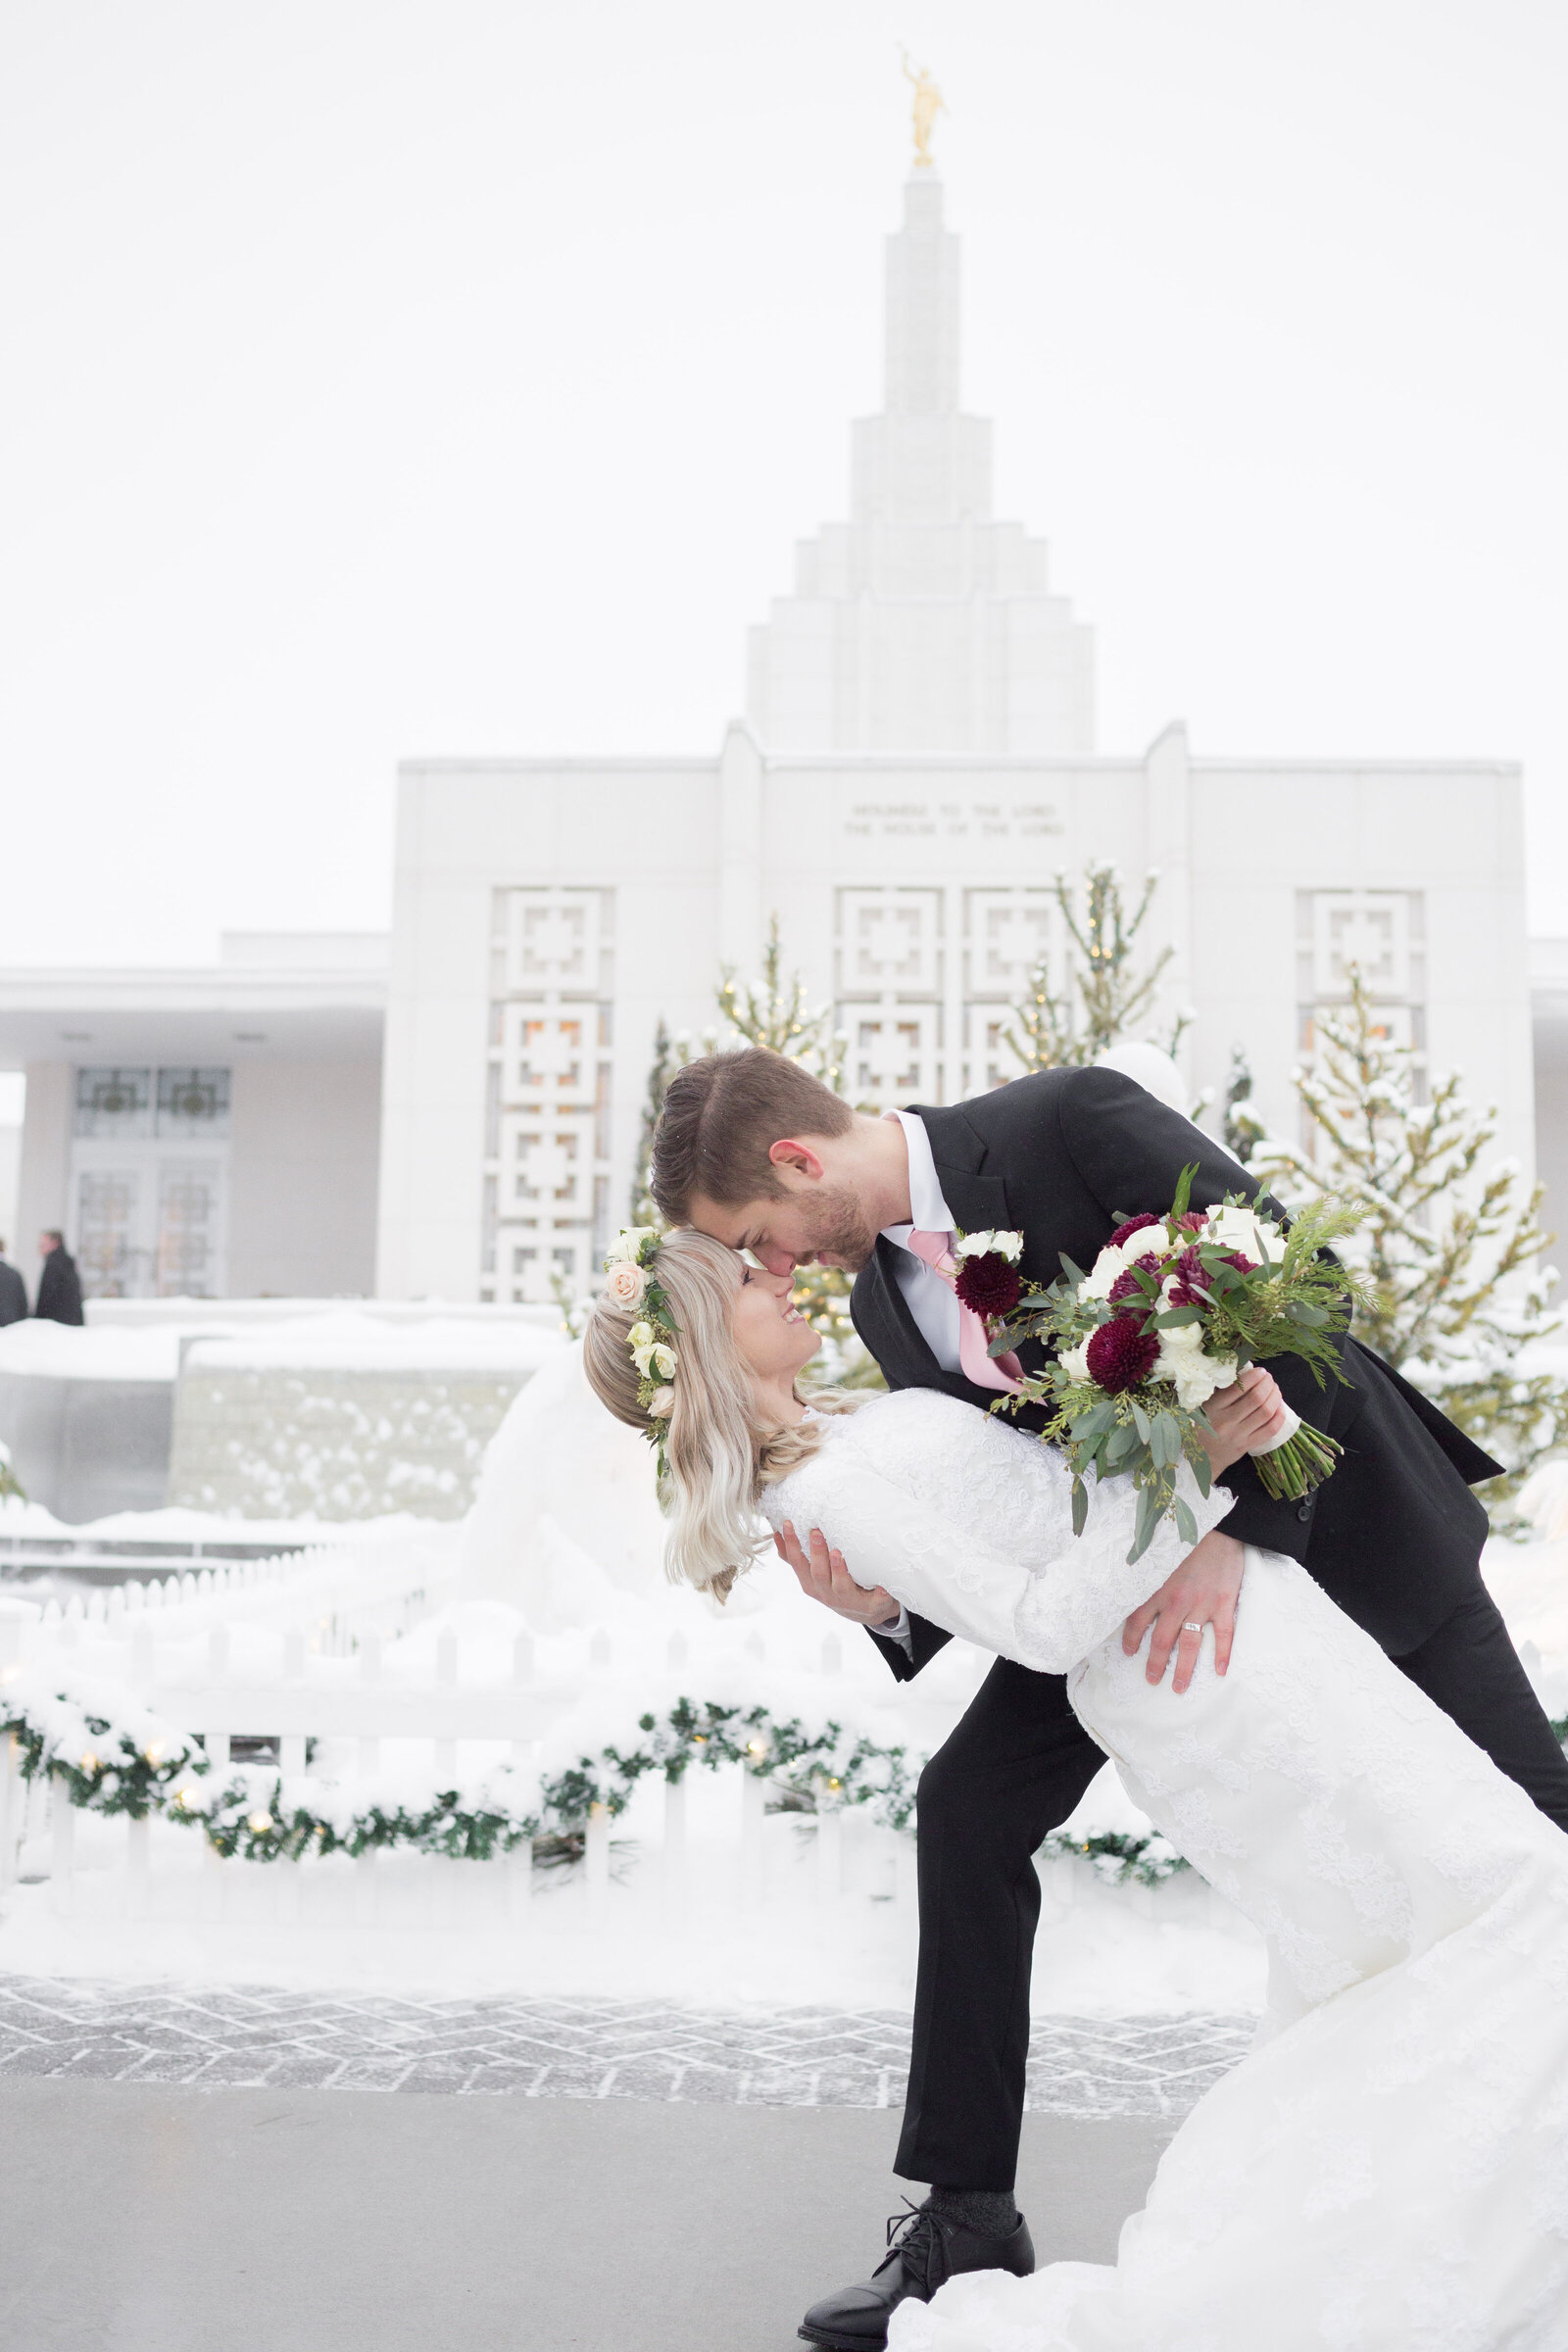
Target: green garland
(113,1759)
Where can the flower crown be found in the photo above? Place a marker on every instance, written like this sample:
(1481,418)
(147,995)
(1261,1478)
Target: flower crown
(630,1281)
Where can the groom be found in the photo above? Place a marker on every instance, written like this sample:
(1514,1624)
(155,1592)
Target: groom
(754,1151)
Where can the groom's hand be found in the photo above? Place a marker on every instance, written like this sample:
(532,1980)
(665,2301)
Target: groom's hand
(823,1577)
(1202,1592)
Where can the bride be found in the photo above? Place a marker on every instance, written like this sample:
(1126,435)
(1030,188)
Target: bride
(1387,2171)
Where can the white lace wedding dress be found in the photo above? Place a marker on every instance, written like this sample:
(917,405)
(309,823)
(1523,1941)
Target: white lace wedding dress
(1387,2171)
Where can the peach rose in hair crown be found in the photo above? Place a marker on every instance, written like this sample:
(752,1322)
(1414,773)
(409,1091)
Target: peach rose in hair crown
(626,1284)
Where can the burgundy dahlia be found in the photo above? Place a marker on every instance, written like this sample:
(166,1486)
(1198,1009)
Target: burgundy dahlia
(1192,1286)
(1192,1290)
(1192,1222)
(988,1284)
(1124,1233)
(1126,1285)
(1121,1353)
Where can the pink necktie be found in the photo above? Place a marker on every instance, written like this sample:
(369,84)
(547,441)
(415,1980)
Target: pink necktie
(935,1250)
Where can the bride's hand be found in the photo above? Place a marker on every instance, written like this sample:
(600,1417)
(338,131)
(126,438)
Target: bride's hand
(825,1577)
(1242,1418)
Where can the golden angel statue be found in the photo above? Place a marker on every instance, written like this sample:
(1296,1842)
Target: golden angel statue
(928,104)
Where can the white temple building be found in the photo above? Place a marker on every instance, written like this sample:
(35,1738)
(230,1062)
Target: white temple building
(916,762)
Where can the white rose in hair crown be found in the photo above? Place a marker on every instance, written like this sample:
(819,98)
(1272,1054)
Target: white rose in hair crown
(631,1279)
(1174,1307)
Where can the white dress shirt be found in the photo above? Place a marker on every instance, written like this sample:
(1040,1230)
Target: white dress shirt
(932,1303)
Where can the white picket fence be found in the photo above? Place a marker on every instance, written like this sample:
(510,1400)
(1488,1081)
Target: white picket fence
(708,1851)
(180,1646)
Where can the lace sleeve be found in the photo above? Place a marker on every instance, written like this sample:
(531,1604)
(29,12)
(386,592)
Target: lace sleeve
(1090,1590)
(961,1575)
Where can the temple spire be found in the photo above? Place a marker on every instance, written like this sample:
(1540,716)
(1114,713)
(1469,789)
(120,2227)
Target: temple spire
(922,624)
(921,326)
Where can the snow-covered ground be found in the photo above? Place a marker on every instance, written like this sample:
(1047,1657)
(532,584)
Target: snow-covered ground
(563,1545)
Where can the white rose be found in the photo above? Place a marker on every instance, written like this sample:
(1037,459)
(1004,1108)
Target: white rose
(641,1334)
(625,1246)
(1197,1376)
(1149,1241)
(1008,1246)
(1074,1361)
(643,1358)
(661,1405)
(976,1244)
(626,1284)
(665,1362)
(1236,1227)
(1108,1269)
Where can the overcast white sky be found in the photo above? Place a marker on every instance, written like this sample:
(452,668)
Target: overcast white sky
(395,377)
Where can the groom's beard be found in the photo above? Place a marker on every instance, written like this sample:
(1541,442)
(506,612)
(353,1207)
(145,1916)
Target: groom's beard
(836,1229)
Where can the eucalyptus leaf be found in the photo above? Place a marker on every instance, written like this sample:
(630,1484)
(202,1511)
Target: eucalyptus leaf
(1175,1315)
(1140,1419)
(1080,1506)
(1074,1274)
(1185,1524)
(1203,1473)
(1147,1516)
(1171,1429)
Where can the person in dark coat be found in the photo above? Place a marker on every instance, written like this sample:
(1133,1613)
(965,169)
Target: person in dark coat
(59,1285)
(13,1292)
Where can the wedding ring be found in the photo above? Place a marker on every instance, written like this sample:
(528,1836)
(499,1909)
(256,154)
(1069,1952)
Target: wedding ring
(1190,1624)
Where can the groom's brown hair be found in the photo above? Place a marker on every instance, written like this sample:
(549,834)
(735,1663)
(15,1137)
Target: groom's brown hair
(722,1115)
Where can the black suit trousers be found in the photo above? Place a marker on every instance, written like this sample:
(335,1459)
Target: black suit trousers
(1013,1770)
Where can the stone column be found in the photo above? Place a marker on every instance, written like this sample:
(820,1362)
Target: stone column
(740,855)
(44,1180)
(1168,770)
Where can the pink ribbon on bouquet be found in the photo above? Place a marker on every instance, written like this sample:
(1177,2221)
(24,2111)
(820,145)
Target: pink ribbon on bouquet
(987,1371)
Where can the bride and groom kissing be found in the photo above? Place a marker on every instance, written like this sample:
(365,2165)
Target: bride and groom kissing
(1316,1702)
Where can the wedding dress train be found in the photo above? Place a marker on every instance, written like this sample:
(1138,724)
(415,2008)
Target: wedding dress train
(1387,2171)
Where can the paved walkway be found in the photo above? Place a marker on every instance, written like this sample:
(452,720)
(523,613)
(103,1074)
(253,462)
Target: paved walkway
(594,2049)
(144,2216)
(192,2169)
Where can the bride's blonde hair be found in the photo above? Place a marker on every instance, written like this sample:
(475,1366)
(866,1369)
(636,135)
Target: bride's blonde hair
(721,1451)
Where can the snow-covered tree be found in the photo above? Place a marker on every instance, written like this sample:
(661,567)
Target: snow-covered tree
(1107,995)
(668,1058)
(1243,1130)
(772,1010)
(1450,1239)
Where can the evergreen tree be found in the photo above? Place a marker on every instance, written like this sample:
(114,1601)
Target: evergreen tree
(1105,993)
(1242,1128)
(774,1012)
(666,1061)
(1448,1242)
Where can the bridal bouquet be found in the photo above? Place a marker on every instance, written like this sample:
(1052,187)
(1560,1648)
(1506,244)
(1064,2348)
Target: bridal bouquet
(1174,1307)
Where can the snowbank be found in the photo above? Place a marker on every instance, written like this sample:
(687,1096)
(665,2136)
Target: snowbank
(65,1351)
(565,1520)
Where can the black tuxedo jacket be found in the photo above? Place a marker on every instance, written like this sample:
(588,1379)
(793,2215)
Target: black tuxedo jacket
(1394,1536)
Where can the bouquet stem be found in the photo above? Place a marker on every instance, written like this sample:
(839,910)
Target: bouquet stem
(1301,1464)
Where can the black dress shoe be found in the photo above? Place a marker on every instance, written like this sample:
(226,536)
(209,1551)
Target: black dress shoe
(923,2250)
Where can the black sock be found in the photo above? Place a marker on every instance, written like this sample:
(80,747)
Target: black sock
(990,2210)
